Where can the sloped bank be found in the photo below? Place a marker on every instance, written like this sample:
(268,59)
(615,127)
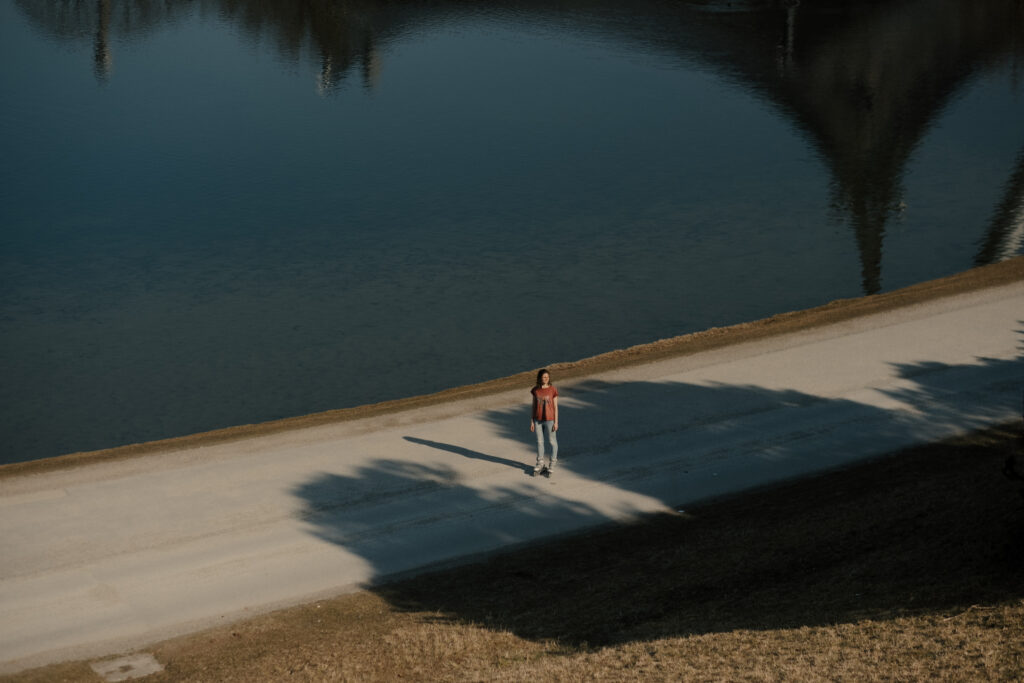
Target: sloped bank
(974,279)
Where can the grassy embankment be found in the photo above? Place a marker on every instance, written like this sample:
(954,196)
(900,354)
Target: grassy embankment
(904,568)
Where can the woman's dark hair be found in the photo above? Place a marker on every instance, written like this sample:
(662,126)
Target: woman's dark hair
(541,373)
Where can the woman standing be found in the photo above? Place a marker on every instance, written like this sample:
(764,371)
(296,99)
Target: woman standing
(544,421)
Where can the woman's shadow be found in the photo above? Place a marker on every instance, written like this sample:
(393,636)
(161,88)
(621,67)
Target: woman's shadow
(467,453)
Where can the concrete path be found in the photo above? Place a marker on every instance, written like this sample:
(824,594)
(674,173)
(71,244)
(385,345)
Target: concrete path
(105,557)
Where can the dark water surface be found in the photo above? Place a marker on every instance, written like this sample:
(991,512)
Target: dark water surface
(216,212)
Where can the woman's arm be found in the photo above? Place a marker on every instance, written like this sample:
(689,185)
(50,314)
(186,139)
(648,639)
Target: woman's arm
(554,402)
(533,411)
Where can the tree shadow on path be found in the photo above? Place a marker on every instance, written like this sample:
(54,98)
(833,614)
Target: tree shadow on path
(934,532)
(928,532)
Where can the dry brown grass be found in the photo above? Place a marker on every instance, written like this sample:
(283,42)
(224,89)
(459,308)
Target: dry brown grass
(906,568)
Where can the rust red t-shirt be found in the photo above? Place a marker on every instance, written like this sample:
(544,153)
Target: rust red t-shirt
(543,402)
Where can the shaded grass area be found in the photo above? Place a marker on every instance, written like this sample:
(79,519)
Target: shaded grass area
(903,568)
(933,530)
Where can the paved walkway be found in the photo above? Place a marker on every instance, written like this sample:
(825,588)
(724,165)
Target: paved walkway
(114,555)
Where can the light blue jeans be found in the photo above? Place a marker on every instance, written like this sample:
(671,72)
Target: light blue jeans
(542,429)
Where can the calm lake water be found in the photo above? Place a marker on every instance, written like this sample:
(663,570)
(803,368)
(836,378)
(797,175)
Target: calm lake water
(216,212)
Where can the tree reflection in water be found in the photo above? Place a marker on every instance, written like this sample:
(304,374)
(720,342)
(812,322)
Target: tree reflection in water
(865,81)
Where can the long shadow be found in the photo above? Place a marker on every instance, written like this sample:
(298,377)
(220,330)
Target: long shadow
(922,533)
(467,453)
(391,509)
